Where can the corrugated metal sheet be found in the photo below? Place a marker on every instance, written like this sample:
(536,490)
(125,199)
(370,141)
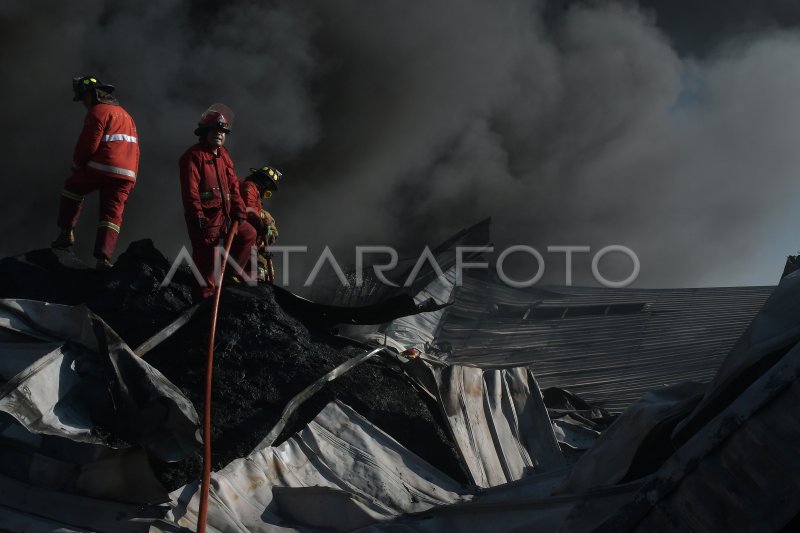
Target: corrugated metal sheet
(610,459)
(738,471)
(497,417)
(62,367)
(37,510)
(606,345)
(340,472)
(92,470)
(499,422)
(417,331)
(515,507)
(751,483)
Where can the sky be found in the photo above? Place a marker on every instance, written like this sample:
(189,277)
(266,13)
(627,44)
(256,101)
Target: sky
(668,127)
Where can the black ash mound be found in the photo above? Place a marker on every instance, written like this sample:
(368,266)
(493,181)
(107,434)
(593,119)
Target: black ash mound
(263,356)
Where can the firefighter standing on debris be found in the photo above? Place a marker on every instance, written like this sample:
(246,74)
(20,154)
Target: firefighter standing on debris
(258,186)
(211,199)
(106,159)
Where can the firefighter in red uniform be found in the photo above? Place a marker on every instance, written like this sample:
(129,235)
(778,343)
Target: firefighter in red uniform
(258,186)
(211,199)
(106,159)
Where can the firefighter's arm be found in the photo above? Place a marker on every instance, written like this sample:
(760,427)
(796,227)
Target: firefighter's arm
(254,219)
(238,210)
(250,195)
(190,188)
(89,140)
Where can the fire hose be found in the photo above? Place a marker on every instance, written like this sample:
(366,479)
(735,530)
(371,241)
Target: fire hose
(201,517)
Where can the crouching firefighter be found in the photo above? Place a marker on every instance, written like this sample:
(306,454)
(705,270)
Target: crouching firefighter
(258,186)
(106,159)
(211,201)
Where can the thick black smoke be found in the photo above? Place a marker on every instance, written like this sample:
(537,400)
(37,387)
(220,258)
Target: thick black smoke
(571,123)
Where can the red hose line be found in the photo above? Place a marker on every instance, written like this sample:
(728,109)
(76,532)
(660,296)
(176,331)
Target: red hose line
(201,517)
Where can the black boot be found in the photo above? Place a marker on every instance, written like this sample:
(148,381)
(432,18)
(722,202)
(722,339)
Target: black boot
(103,264)
(64,240)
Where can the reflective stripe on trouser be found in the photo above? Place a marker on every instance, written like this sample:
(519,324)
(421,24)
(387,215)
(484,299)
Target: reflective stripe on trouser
(72,196)
(109,225)
(113,195)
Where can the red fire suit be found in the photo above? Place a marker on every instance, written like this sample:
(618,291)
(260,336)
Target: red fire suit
(259,218)
(106,159)
(211,200)
(264,225)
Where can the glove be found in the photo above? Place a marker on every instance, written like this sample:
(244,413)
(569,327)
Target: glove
(201,222)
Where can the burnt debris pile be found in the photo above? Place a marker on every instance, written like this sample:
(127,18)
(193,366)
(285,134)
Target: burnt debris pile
(127,297)
(263,356)
(509,410)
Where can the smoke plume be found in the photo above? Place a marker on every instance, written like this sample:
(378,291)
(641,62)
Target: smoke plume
(398,123)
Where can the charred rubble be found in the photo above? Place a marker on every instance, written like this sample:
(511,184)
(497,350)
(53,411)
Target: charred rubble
(515,447)
(263,355)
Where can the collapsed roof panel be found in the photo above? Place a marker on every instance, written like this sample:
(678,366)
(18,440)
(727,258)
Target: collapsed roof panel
(342,472)
(499,422)
(773,331)
(737,451)
(418,331)
(521,506)
(369,477)
(83,368)
(38,510)
(93,470)
(606,345)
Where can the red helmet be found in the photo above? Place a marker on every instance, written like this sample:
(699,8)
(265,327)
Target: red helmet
(217,117)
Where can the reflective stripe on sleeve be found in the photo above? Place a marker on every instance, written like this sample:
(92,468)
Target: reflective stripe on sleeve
(72,195)
(119,137)
(113,170)
(107,224)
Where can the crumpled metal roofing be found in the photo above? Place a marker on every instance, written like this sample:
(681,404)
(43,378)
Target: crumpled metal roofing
(418,331)
(60,366)
(339,472)
(736,469)
(497,417)
(32,509)
(499,422)
(608,346)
